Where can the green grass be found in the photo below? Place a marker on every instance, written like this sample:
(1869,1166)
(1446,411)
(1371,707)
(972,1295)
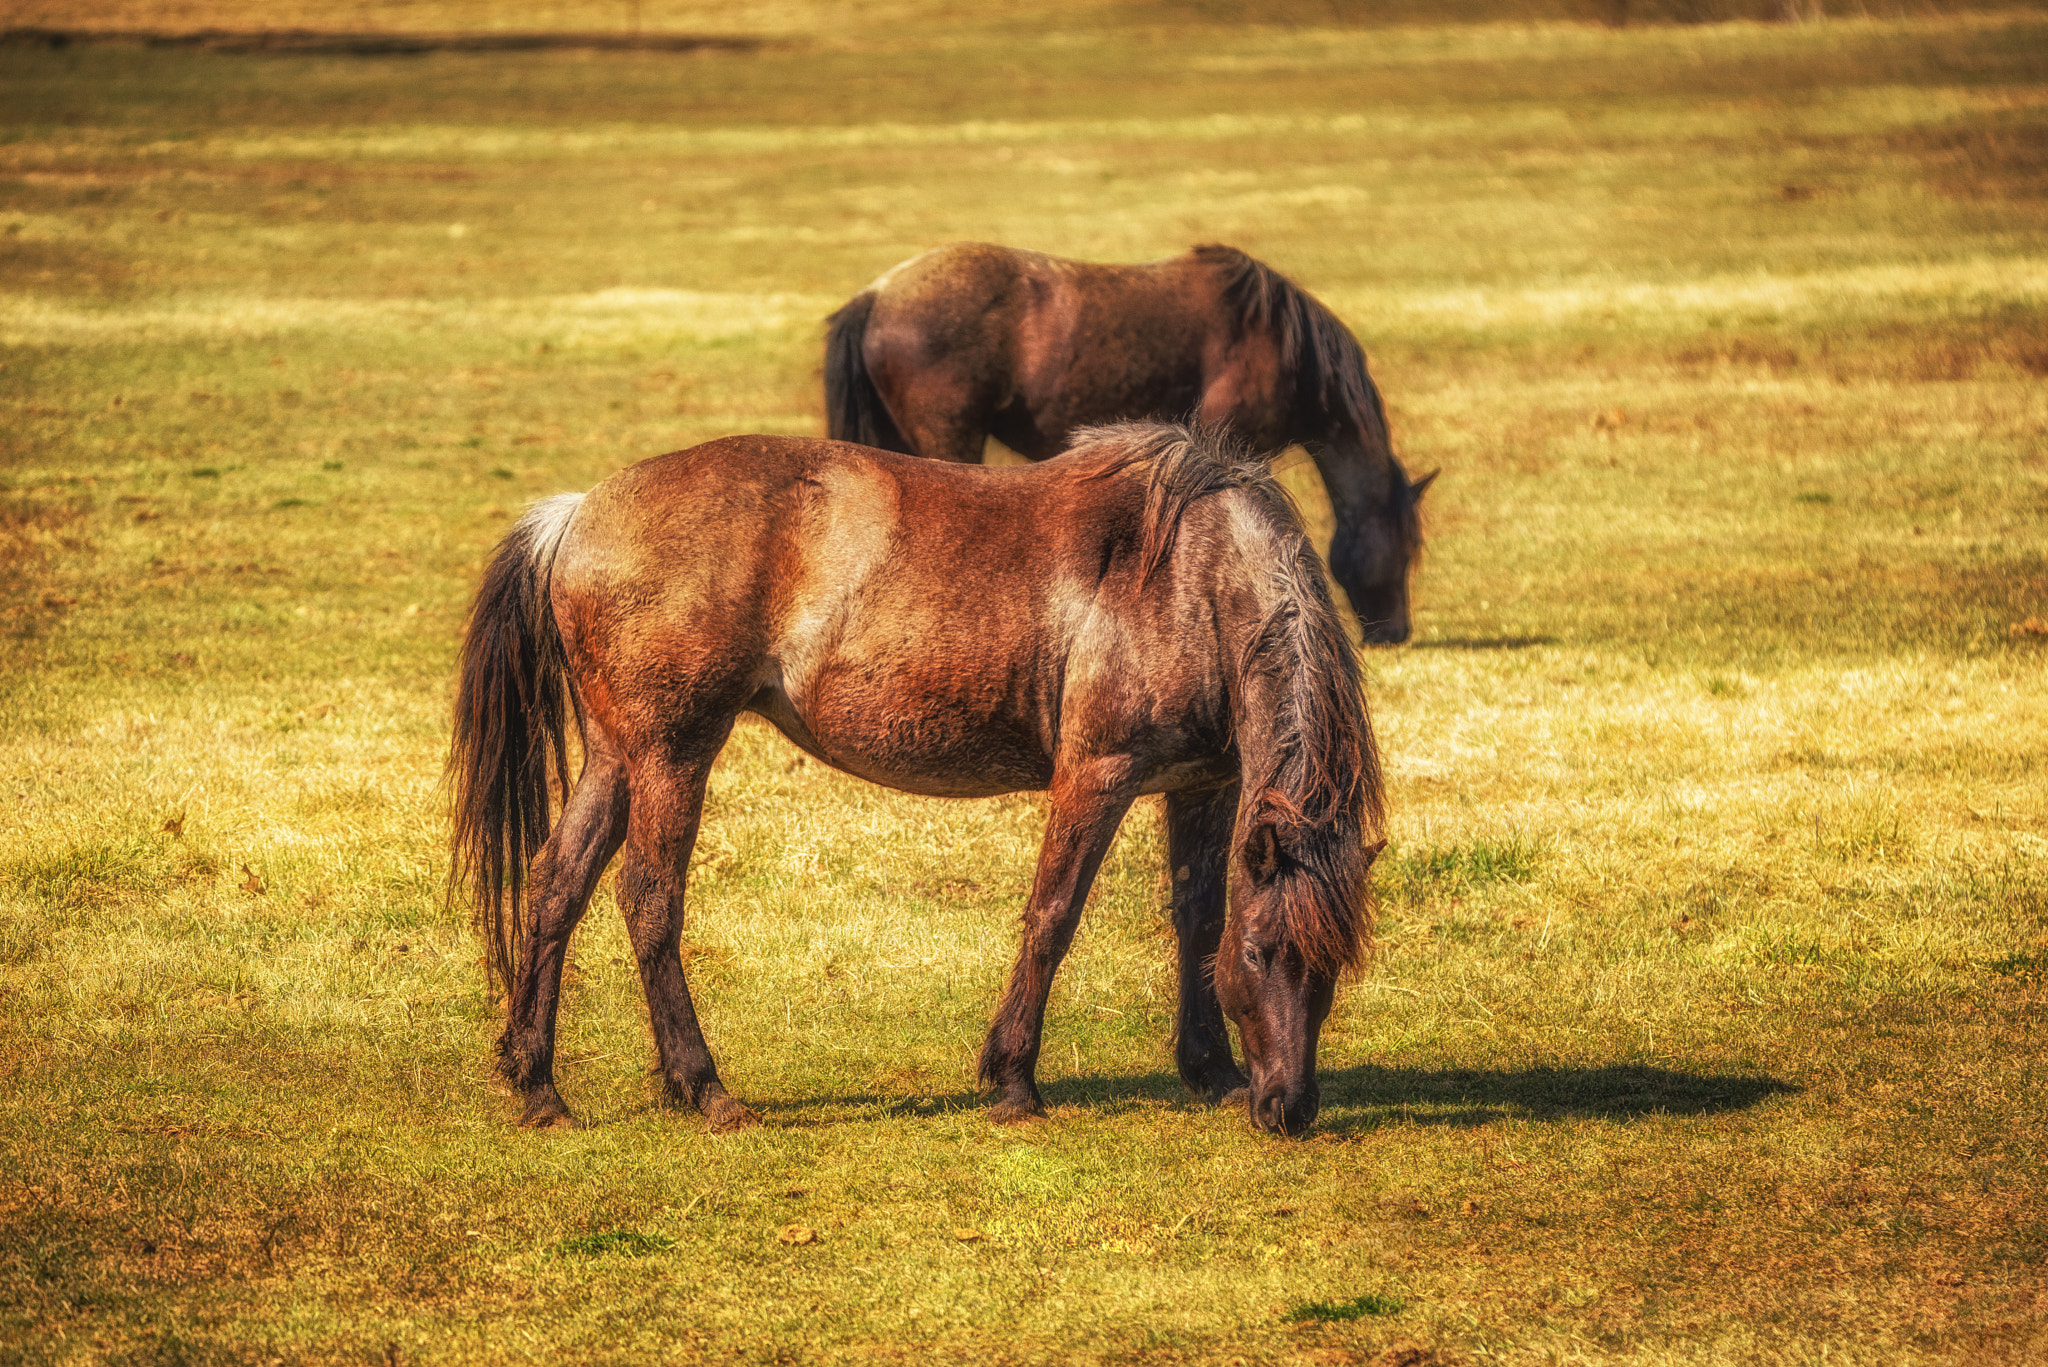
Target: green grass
(1705,1024)
(630,1243)
(1355,1308)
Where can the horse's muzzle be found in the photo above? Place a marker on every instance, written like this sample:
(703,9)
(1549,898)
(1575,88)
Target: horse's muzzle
(1287,1113)
(1388,633)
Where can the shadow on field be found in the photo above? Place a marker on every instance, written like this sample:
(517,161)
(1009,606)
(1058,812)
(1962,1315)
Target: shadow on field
(1483,643)
(1368,1097)
(372,44)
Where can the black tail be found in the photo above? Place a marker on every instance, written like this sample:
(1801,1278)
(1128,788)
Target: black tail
(512,714)
(854,410)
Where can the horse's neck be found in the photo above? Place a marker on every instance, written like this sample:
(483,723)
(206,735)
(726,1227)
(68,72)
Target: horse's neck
(1358,475)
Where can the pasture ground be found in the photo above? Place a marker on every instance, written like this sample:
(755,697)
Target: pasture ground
(1707,1024)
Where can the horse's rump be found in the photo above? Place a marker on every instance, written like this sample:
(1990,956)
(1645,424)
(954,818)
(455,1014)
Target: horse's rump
(854,410)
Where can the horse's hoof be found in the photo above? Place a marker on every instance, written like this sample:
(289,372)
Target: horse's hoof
(1226,1090)
(724,1115)
(1016,1113)
(549,1116)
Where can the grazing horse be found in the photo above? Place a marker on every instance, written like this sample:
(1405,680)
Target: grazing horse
(971,340)
(1143,615)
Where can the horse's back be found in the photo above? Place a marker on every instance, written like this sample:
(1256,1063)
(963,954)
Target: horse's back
(976,292)
(744,506)
(1030,347)
(704,512)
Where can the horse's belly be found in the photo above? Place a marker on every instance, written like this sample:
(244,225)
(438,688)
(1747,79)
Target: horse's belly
(936,747)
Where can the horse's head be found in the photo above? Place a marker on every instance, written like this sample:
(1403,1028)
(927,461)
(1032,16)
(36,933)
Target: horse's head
(1296,914)
(1372,559)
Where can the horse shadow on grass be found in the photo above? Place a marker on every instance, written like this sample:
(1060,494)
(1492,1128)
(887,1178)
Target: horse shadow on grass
(1368,1097)
(1482,642)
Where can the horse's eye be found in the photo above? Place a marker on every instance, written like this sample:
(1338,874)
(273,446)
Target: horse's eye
(1252,959)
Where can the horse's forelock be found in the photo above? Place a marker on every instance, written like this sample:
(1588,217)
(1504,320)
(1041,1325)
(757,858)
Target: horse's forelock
(1323,887)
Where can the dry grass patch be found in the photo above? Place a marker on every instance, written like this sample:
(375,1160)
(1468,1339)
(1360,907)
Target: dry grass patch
(1706,1020)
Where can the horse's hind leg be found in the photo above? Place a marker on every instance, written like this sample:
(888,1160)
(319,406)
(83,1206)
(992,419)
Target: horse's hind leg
(1198,827)
(567,869)
(668,802)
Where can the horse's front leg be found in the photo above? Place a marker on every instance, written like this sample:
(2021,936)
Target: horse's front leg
(1087,805)
(563,877)
(1198,827)
(668,800)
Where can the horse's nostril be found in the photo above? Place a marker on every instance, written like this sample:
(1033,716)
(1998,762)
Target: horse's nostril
(1388,632)
(1276,1115)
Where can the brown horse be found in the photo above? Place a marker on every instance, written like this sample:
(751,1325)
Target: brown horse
(1143,615)
(971,340)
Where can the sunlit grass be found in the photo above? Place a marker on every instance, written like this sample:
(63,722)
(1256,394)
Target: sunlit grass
(1705,1021)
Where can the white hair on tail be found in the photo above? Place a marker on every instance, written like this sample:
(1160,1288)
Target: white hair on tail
(544,521)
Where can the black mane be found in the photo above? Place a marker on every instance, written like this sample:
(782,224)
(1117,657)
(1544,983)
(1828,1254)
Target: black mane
(1332,388)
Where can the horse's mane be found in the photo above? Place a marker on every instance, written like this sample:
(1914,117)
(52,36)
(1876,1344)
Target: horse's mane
(1184,462)
(1319,782)
(1331,385)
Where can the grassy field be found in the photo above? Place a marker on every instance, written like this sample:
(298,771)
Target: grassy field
(1708,1020)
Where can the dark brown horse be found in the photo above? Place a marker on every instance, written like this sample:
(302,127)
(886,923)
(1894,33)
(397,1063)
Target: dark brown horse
(1143,615)
(971,340)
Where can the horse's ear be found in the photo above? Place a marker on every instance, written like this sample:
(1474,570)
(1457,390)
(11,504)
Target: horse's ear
(1261,854)
(1372,852)
(1415,490)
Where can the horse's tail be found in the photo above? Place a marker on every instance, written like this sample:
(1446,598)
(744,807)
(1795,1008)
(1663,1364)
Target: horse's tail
(854,410)
(512,715)
(1331,384)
